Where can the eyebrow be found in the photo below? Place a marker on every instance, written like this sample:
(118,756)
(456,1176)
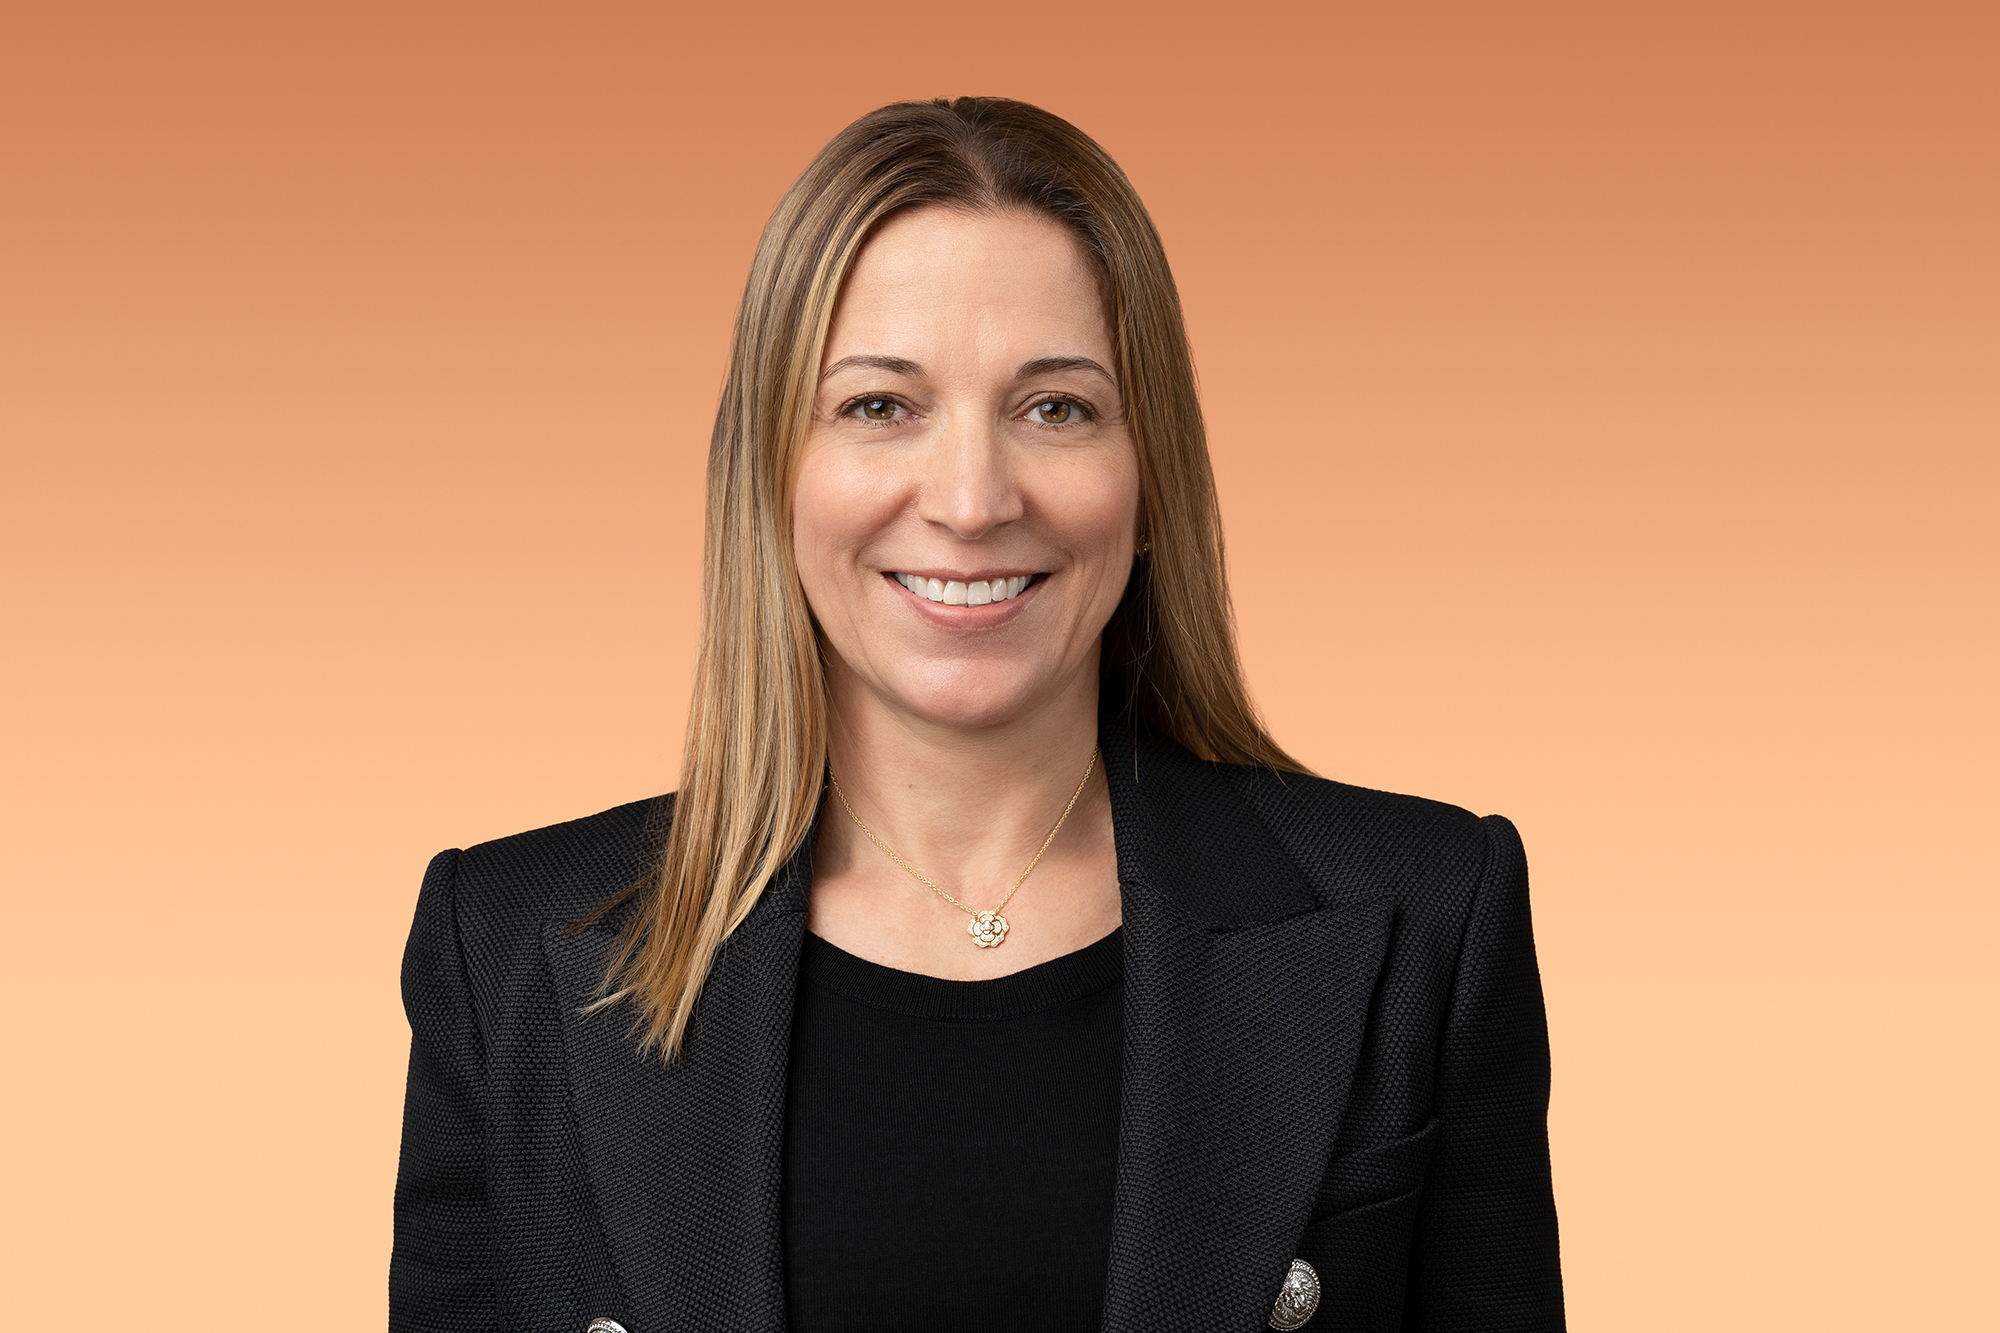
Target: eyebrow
(1049,365)
(896,365)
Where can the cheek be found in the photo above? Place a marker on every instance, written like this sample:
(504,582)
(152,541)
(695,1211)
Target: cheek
(835,506)
(1097,509)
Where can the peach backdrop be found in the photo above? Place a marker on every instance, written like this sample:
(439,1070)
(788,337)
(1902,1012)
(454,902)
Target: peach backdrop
(1604,402)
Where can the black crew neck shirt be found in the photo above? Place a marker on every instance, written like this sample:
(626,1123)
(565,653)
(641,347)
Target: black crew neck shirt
(951,1146)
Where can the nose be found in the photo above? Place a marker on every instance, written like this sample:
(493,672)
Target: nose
(970,490)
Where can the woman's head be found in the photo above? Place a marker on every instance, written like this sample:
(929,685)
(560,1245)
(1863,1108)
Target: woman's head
(1169,649)
(983,235)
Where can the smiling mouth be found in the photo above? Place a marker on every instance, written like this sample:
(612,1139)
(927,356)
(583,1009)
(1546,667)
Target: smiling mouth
(979,592)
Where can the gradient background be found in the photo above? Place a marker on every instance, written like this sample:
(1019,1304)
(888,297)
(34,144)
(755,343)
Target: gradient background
(1604,400)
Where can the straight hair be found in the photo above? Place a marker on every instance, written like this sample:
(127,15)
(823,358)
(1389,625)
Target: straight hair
(754,761)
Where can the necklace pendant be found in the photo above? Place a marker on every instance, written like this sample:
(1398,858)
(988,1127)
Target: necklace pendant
(988,930)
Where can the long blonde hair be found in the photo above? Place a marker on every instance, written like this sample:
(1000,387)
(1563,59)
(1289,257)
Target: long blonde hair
(752,768)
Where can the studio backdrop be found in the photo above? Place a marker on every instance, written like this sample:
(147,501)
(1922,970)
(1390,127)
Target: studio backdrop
(1603,401)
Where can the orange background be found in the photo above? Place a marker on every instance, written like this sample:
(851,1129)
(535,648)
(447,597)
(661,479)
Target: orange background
(1605,408)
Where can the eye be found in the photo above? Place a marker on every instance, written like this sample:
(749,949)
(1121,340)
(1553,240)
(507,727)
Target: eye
(875,407)
(1058,412)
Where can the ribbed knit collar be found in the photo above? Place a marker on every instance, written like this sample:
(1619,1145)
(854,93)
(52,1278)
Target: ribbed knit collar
(1058,981)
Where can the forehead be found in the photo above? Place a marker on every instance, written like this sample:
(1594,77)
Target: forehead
(935,279)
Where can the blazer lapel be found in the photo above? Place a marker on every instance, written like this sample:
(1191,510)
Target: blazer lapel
(1246,996)
(687,1158)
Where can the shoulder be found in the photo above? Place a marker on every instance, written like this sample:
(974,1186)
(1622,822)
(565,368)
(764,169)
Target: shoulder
(1439,870)
(1337,831)
(563,870)
(1429,859)
(501,895)
(1235,832)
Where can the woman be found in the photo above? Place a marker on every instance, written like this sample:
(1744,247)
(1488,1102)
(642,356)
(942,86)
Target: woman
(992,969)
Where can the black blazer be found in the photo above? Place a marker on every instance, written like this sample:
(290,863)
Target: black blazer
(1334,1050)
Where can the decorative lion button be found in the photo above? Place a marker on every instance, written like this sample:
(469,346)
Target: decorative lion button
(1298,1298)
(987,929)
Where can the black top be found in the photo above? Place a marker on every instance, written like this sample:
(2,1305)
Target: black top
(1333,1049)
(951,1146)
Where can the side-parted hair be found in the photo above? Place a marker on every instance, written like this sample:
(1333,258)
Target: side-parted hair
(755,757)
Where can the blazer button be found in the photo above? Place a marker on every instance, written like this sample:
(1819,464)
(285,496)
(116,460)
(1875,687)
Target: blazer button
(605,1326)
(1297,1299)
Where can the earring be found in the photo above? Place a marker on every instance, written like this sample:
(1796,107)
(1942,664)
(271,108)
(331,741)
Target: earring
(1143,549)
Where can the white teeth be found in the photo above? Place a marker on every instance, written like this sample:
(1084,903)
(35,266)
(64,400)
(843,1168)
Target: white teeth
(977,593)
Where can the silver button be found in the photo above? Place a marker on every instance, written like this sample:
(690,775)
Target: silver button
(1297,1299)
(605,1326)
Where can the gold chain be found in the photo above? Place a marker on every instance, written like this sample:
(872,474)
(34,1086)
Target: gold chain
(988,929)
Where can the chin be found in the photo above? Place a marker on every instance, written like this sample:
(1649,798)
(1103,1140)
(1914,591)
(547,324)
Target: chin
(966,714)
(971,700)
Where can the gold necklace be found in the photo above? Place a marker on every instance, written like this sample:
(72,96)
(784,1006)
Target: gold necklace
(988,929)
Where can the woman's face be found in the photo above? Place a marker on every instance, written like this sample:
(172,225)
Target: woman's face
(968,492)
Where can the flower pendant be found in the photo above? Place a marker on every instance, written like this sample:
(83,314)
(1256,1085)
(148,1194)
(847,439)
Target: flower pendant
(988,930)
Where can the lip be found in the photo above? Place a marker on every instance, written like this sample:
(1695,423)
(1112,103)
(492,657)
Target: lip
(960,576)
(966,617)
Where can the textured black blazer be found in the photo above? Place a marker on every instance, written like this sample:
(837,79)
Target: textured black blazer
(1334,1050)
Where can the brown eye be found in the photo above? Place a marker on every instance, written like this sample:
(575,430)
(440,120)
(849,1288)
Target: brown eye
(878,409)
(1054,413)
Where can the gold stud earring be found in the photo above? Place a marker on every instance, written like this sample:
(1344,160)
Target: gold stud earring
(1143,549)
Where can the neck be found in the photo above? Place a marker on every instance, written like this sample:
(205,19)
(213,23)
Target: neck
(966,805)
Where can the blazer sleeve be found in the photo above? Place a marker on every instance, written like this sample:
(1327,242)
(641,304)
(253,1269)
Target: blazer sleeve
(442,1274)
(1484,1256)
